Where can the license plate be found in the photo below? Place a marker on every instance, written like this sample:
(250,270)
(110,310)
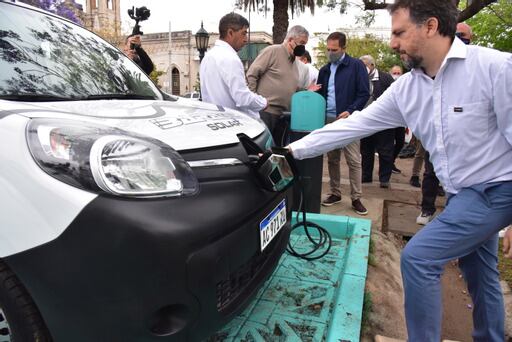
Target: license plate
(272,224)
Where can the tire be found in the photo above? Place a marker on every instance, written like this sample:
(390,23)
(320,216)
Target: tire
(20,319)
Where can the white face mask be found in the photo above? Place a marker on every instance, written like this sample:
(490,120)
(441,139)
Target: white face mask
(395,77)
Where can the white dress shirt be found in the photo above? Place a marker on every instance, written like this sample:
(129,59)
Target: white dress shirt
(223,81)
(303,74)
(463,117)
(313,73)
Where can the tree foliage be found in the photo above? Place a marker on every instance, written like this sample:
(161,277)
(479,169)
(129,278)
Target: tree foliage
(282,7)
(384,56)
(155,75)
(65,8)
(492,27)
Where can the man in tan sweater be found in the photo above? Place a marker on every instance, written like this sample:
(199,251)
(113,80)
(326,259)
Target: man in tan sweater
(274,75)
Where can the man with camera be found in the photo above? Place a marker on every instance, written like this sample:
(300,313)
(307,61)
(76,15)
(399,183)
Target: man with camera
(133,44)
(133,49)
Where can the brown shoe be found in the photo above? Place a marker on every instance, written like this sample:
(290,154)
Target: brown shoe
(332,199)
(359,207)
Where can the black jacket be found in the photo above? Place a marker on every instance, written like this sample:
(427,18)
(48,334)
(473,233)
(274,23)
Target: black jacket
(380,85)
(144,62)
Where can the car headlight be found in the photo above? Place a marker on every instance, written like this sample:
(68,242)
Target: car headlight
(101,158)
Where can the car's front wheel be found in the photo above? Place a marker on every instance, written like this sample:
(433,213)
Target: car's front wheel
(20,320)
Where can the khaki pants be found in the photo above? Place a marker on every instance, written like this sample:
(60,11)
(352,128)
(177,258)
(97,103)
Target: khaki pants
(419,157)
(353,158)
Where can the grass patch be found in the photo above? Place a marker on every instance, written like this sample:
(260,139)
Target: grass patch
(371,253)
(505,266)
(367,308)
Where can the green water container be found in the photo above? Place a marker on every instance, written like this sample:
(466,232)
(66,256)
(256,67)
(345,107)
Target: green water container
(307,111)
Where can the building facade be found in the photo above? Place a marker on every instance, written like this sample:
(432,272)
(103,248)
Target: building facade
(179,63)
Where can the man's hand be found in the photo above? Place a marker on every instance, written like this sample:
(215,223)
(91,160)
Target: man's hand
(135,40)
(343,115)
(130,54)
(314,87)
(507,243)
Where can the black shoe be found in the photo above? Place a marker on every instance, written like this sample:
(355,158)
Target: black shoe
(440,191)
(415,181)
(407,152)
(332,199)
(384,185)
(359,207)
(394,169)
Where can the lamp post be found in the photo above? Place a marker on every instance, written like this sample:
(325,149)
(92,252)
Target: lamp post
(202,41)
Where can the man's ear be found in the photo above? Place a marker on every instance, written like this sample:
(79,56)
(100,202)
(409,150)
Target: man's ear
(432,25)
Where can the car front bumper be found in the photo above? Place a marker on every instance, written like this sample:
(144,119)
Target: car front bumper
(172,269)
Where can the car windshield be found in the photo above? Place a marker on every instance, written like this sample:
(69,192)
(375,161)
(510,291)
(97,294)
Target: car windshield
(44,58)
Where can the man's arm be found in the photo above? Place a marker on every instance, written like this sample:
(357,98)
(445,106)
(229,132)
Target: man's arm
(258,68)
(502,93)
(362,88)
(382,114)
(146,63)
(240,93)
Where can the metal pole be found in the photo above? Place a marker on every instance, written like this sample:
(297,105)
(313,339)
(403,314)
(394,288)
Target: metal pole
(169,69)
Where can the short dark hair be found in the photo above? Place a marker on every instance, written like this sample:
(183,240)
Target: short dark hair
(232,21)
(340,37)
(307,55)
(444,11)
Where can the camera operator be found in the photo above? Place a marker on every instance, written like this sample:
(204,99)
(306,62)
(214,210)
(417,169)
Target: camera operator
(133,49)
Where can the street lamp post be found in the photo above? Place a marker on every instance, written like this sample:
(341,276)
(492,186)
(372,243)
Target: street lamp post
(202,37)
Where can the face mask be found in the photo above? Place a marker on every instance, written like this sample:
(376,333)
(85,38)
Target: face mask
(299,50)
(368,70)
(334,56)
(395,77)
(464,40)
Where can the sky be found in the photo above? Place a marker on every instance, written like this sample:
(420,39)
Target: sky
(188,14)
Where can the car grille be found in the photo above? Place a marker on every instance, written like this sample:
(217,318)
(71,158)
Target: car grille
(230,288)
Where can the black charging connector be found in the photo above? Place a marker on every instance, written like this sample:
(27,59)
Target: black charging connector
(324,239)
(276,181)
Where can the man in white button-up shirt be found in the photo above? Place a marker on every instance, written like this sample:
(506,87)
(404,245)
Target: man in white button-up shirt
(458,101)
(222,72)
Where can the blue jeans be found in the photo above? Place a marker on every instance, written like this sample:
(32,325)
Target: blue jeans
(468,230)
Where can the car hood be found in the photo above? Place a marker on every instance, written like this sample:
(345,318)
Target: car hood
(182,124)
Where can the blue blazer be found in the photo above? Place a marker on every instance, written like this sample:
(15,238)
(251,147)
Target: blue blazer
(351,83)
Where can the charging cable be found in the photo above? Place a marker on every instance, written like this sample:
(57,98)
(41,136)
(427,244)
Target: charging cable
(322,241)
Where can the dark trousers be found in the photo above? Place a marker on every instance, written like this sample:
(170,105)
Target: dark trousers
(399,141)
(278,126)
(429,187)
(383,143)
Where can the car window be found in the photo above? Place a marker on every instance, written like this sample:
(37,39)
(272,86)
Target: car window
(45,57)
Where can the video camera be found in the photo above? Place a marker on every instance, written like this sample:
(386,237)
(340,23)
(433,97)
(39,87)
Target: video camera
(138,14)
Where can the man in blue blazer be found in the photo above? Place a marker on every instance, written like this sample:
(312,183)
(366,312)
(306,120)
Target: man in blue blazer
(345,87)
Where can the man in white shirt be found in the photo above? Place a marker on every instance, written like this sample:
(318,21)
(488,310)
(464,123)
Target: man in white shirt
(457,101)
(222,72)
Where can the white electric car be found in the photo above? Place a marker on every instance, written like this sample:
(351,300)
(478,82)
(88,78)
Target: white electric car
(125,214)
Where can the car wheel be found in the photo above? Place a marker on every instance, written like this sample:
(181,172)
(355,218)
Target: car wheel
(20,320)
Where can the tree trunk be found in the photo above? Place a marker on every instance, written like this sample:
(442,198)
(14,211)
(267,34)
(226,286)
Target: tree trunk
(280,17)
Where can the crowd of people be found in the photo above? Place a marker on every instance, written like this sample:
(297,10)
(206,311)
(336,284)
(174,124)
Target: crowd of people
(456,99)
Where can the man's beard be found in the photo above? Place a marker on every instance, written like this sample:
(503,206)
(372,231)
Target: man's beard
(412,61)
